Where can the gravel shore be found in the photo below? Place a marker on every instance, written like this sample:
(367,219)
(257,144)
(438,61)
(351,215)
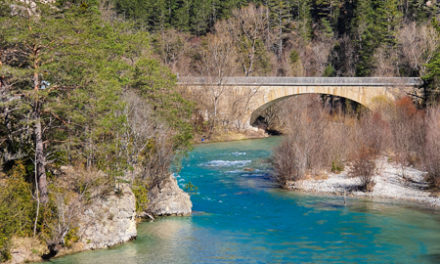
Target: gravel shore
(390,184)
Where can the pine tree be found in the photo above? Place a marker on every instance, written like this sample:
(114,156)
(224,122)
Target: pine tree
(375,25)
(303,17)
(32,44)
(180,15)
(200,16)
(279,18)
(432,78)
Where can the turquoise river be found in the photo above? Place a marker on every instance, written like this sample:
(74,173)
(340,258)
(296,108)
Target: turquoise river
(241,217)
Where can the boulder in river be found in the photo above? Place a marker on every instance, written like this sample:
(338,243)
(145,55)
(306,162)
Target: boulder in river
(166,198)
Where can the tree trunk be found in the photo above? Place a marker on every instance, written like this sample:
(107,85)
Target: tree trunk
(280,36)
(1,76)
(40,161)
(37,197)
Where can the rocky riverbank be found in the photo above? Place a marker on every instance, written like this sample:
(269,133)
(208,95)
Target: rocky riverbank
(392,183)
(107,221)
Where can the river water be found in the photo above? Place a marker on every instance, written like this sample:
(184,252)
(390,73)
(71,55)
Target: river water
(240,217)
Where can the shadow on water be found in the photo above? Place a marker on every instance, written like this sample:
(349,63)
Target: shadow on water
(431,258)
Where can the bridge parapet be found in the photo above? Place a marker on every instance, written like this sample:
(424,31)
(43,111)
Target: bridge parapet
(303,81)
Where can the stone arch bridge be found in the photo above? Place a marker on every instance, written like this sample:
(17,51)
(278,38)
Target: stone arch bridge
(268,90)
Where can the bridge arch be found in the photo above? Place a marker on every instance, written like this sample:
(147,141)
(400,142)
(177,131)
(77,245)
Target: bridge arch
(260,110)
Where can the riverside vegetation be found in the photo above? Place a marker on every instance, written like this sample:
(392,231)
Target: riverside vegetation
(89,102)
(318,141)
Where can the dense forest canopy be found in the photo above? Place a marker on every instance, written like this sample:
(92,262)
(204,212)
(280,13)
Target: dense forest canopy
(198,17)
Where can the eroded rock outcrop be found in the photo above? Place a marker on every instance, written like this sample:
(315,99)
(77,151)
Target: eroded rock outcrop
(109,220)
(167,198)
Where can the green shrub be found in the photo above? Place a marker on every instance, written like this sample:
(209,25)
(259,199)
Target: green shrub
(337,167)
(294,57)
(329,71)
(71,237)
(141,193)
(17,208)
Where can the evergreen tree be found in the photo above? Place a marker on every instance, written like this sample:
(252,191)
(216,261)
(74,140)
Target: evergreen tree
(280,18)
(180,15)
(303,17)
(375,24)
(200,16)
(432,78)
(325,13)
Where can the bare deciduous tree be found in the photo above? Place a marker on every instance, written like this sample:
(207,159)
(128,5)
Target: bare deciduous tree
(172,46)
(418,43)
(386,62)
(145,145)
(250,32)
(216,65)
(407,126)
(304,148)
(139,130)
(432,146)
(363,167)
(312,55)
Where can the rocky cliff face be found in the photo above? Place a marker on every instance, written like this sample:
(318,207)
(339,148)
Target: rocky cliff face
(109,220)
(167,198)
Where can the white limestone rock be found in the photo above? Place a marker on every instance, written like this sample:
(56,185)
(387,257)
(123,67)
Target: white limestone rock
(167,198)
(28,7)
(109,221)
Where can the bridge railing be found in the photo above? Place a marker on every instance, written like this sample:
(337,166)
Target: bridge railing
(303,81)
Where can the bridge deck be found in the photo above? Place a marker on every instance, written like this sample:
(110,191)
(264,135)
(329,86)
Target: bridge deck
(303,81)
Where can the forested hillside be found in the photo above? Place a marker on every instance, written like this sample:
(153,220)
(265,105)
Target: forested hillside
(288,38)
(292,37)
